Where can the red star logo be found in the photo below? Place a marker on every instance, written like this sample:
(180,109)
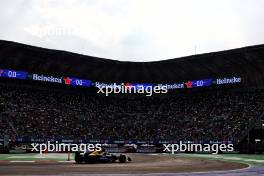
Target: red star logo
(128,85)
(67,81)
(189,84)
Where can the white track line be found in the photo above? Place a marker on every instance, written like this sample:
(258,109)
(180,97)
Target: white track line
(66,161)
(21,161)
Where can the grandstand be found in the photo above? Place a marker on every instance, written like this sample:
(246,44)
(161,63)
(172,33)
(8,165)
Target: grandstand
(226,111)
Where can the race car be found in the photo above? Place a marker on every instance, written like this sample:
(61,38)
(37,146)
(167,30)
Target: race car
(100,157)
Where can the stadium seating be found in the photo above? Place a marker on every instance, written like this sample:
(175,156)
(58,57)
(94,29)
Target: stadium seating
(214,115)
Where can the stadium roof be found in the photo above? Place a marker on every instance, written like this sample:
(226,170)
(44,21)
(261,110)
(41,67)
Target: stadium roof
(247,62)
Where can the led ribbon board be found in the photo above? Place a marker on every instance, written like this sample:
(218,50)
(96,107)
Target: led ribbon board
(7,73)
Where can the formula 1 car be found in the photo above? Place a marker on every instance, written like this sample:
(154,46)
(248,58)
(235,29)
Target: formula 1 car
(100,157)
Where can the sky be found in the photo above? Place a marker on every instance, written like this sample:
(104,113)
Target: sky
(134,30)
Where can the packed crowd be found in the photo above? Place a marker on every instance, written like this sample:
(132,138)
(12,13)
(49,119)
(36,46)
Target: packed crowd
(35,113)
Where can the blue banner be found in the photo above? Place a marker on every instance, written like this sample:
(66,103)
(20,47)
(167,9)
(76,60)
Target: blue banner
(202,83)
(199,83)
(77,82)
(5,73)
